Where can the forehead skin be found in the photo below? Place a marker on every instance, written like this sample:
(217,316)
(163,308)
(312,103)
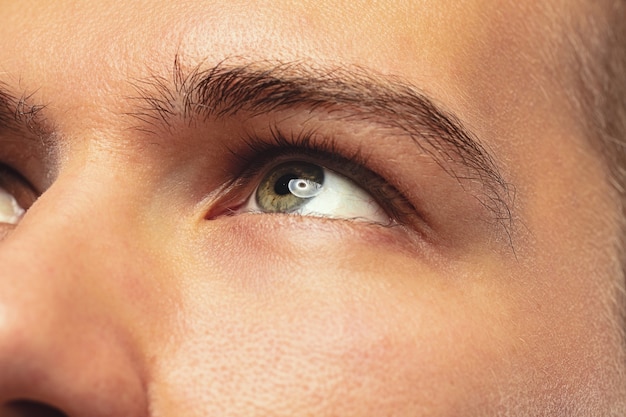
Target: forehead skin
(163,314)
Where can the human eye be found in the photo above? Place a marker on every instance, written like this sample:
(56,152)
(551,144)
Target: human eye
(16,195)
(306,188)
(313,177)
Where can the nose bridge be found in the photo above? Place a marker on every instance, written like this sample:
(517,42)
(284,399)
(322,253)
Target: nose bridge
(80,217)
(63,341)
(59,233)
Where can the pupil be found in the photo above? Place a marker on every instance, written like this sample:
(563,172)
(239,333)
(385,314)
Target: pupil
(282,184)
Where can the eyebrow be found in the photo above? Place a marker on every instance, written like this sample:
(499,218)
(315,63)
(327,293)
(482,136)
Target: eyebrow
(227,89)
(20,117)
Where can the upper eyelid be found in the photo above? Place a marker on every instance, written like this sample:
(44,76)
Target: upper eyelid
(261,149)
(305,140)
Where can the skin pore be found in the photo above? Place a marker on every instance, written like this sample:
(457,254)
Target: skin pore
(138,283)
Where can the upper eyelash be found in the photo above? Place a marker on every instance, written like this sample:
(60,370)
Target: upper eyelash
(304,140)
(260,151)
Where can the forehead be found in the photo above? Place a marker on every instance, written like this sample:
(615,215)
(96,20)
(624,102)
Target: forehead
(474,56)
(441,41)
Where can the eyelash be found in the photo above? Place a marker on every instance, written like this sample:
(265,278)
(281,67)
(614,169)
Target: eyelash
(263,152)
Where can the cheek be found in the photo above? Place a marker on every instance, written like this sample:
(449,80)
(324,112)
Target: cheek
(314,355)
(346,328)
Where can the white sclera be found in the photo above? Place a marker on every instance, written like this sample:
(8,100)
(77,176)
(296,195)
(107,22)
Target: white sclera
(341,198)
(10,210)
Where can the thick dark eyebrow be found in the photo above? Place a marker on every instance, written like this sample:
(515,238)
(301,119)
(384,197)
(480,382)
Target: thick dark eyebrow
(227,89)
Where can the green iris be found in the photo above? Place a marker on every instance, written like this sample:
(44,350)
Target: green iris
(289,186)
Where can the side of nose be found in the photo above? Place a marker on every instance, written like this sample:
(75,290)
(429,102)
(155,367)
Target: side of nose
(63,345)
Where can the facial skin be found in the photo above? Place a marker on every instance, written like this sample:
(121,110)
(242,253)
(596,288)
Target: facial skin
(137,285)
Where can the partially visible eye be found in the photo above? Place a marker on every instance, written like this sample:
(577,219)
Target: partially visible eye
(10,210)
(16,195)
(308,189)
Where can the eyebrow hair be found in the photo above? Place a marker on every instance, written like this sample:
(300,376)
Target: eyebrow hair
(227,89)
(19,116)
